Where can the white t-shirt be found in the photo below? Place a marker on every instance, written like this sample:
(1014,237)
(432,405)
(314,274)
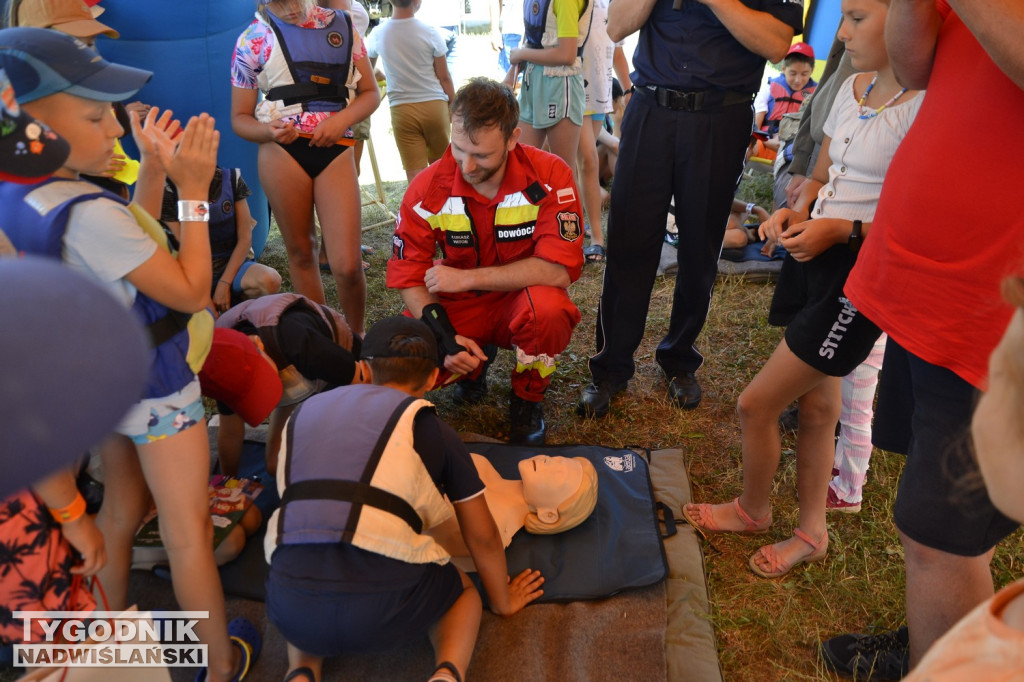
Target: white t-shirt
(512,17)
(598,54)
(762,97)
(103,241)
(860,151)
(408,47)
(360,18)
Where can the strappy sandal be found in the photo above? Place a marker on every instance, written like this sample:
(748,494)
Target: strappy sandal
(778,565)
(750,526)
(594,253)
(450,667)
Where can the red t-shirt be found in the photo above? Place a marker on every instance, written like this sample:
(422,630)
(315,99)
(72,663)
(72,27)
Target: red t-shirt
(949,227)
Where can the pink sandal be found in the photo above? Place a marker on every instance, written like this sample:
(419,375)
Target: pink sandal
(750,526)
(778,566)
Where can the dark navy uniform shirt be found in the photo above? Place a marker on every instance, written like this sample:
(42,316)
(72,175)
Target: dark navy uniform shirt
(690,49)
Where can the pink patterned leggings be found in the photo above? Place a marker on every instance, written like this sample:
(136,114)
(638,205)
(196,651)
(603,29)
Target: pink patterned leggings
(853,449)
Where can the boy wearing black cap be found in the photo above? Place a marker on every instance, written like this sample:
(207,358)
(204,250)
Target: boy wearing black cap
(365,469)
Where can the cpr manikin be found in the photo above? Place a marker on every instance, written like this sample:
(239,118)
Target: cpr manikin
(554,494)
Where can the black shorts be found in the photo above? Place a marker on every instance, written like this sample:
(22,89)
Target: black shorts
(313,160)
(328,622)
(822,327)
(924,411)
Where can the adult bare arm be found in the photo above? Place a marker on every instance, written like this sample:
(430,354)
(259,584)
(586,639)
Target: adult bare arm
(626,17)
(759,32)
(524,273)
(911,30)
(997,24)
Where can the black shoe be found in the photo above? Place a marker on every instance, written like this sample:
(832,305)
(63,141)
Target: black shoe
(527,417)
(885,656)
(473,391)
(597,398)
(685,390)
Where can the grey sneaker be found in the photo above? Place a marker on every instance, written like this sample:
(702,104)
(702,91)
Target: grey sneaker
(874,658)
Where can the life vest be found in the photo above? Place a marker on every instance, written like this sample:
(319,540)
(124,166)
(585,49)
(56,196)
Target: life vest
(785,101)
(35,218)
(351,475)
(540,26)
(223,228)
(264,313)
(318,62)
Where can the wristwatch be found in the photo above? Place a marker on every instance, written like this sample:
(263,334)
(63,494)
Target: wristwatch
(856,238)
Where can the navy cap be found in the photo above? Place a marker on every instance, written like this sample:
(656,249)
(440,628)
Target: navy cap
(42,62)
(378,340)
(74,360)
(29,151)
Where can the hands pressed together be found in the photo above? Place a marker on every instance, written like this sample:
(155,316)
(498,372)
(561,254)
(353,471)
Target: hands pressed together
(189,156)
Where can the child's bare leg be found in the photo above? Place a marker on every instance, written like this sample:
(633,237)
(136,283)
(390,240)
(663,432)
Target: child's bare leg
(564,140)
(530,135)
(260,280)
(278,418)
(290,193)
(589,183)
(297,658)
(124,505)
(454,635)
(177,470)
(230,441)
(336,193)
(782,379)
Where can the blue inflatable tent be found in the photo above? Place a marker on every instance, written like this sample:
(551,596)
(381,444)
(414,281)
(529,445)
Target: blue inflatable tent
(188,46)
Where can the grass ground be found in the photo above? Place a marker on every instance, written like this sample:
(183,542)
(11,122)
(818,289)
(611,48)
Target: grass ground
(766,629)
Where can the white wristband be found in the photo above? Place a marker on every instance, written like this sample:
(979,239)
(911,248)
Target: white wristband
(750,207)
(193,211)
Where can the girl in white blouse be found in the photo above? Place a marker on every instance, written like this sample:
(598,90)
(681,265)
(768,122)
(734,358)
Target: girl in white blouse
(826,338)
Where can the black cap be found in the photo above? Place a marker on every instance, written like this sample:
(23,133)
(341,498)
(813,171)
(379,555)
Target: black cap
(378,340)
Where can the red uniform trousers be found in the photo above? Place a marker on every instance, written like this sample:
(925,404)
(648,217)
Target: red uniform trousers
(536,322)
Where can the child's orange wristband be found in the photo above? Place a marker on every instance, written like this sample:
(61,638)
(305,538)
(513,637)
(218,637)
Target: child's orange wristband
(72,512)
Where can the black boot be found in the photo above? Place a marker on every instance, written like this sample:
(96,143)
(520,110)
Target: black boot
(473,391)
(528,427)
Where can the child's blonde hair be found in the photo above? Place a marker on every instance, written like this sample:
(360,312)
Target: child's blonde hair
(574,510)
(261,7)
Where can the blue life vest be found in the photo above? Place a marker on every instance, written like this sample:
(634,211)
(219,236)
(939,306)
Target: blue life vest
(318,60)
(535,17)
(36,222)
(223,228)
(351,475)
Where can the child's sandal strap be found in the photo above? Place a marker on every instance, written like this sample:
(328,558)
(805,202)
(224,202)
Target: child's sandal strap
(450,667)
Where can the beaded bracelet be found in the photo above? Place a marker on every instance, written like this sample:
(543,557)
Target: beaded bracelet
(72,512)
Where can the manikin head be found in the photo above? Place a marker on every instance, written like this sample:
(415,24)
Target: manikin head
(561,492)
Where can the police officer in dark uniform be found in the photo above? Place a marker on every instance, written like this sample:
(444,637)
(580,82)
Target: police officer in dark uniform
(697,66)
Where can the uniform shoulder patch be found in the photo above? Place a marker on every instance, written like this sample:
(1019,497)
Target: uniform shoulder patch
(397,248)
(569,225)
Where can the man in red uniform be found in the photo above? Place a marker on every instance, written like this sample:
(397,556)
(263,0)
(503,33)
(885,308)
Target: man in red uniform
(505,219)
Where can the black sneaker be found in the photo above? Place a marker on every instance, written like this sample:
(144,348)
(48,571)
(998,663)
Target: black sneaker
(474,391)
(685,390)
(874,658)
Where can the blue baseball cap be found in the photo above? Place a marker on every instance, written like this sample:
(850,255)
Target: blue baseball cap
(29,151)
(42,62)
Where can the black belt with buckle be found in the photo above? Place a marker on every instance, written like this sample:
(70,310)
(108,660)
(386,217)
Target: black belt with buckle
(700,100)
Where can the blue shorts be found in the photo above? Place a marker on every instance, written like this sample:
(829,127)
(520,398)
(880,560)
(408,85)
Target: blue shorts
(327,622)
(924,411)
(546,100)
